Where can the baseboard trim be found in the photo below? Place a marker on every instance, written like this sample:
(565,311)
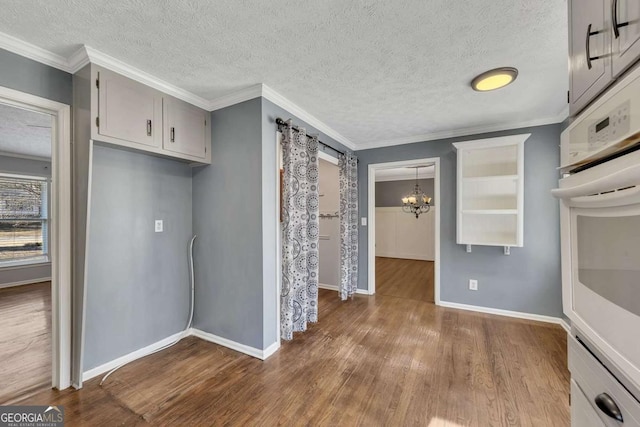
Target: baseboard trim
(506,313)
(395,255)
(335,288)
(251,351)
(233,345)
(106,367)
(565,326)
(25,282)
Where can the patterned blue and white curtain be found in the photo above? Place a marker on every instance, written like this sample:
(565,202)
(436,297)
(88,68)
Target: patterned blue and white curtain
(348,165)
(300,232)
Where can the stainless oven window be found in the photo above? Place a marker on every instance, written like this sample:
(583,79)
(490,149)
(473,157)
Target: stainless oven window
(609,258)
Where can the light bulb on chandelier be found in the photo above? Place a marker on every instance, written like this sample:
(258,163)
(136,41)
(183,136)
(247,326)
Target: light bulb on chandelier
(417,202)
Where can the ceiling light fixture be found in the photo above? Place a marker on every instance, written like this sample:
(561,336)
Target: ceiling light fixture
(494,79)
(417,202)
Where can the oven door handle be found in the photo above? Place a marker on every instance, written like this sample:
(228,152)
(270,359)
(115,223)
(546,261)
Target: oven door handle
(622,197)
(622,178)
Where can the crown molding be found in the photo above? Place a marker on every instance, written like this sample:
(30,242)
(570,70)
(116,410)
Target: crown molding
(236,97)
(465,132)
(78,60)
(302,114)
(28,50)
(113,64)
(87,54)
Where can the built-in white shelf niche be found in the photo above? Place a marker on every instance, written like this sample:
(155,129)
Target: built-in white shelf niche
(490,192)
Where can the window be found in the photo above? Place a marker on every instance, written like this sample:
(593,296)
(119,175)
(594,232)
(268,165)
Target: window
(23,220)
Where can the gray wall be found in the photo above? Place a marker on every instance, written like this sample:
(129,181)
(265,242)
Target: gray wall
(138,287)
(27,273)
(227,217)
(26,75)
(528,280)
(390,193)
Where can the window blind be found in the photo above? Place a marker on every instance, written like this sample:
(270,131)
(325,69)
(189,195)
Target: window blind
(23,219)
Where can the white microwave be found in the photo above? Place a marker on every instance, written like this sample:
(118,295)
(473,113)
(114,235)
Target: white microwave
(600,226)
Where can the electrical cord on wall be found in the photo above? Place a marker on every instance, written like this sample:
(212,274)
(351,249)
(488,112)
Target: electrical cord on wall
(186,330)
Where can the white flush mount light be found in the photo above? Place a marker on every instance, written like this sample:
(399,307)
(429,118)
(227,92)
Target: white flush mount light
(494,79)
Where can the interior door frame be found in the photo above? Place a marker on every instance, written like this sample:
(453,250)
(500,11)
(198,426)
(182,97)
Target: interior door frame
(60,226)
(371,246)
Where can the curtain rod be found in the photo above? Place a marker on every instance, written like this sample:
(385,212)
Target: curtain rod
(282,123)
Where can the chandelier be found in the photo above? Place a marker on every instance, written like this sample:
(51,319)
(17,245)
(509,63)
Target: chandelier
(417,202)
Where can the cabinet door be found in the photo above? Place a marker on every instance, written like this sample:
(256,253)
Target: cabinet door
(128,110)
(589,50)
(184,128)
(626,40)
(582,413)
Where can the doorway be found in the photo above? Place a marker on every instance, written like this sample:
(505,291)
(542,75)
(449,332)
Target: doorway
(40,222)
(404,251)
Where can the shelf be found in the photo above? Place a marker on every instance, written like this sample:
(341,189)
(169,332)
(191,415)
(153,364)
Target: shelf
(491,178)
(490,212)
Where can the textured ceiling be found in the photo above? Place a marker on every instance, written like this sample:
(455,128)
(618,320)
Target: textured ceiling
(24,132)
(371,70)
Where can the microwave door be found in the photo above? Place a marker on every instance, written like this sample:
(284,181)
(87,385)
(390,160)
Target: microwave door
(606,280)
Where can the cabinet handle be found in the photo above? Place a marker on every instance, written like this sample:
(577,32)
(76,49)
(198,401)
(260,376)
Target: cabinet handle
(173,134)
(614,16)
(587,45)
(608,406)
(148,127)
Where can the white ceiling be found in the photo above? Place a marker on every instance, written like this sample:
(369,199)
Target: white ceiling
(24,132)
(376,72)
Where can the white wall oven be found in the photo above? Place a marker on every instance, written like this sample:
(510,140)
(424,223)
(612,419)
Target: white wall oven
(600,223)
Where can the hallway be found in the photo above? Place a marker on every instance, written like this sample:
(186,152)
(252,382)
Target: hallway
(405,278)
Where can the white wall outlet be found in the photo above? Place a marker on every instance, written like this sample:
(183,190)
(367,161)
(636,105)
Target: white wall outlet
(363,221)
(473,285)
(159,226)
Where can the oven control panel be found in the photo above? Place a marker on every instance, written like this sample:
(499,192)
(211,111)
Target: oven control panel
(609,128)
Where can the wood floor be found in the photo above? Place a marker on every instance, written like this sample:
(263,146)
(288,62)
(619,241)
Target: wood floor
(405,278)
(371,361)
(25,340)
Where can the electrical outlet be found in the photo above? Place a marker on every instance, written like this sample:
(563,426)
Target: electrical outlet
(159,226)
(363,221)
(473,285)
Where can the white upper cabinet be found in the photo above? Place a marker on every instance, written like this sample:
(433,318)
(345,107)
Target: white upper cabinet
(625,22)
(130,114)
(604,41)
(185,128)
(490,191)
(589,50)
(128,110)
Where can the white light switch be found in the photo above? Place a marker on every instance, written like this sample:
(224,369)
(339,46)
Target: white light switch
(159,226)
(363,220)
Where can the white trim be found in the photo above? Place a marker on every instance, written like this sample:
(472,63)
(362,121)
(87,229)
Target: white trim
(236,97)
(404,255)
(337,289)
(233,345)
(21,266)
(28,50)
(328,157)
(60,223)
(106,367)
(303,115)
(371,209)
(507,313)
(565,326)
(559,118)
(87,54)
(24,156)
(113,64)
(25,282)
